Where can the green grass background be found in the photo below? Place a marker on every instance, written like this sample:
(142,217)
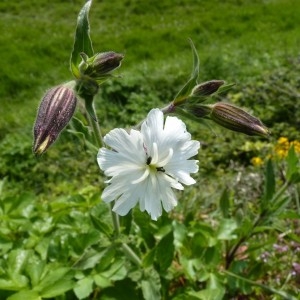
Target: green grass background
(245,42)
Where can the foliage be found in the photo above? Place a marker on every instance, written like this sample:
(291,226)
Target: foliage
(67,245)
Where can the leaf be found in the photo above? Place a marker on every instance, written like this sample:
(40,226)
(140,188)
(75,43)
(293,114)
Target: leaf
(102,226)
(226,229)
(165,251)
(151,285)
(17,260)
(22,295)
(88,100)
(84,287)
(144,224)
(225,203)
(102,281)
(54,281)
(186,90)
(208,294)
(117,271)
(292,166)
(283,294)
(82,40)
(269,188)
(34,269)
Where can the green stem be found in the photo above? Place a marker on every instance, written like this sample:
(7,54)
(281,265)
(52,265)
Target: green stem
(115,219)
(93,121)
(99,140)
(131,254)
(96,129)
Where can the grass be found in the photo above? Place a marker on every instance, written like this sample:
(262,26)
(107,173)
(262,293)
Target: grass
(239,41)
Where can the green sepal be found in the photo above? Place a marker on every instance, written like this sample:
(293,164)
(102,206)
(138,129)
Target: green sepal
(82,40)
(225,88)
(88,100)
(186,90)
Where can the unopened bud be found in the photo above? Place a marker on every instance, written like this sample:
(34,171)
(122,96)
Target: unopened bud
(101,64)
(236,119)
(206,88)
(54,113)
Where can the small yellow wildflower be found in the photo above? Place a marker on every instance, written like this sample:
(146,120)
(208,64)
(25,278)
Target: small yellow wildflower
(256,161)
(283,141)
(282,147)
(296,146)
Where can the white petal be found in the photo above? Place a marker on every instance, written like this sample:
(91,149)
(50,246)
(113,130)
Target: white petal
(125,203)
(128,145)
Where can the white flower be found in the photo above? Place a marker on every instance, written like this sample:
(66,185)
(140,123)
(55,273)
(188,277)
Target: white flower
(145,165)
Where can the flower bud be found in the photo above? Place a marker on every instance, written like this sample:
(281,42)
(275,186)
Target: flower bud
(206,88)
(101,64)
(236,119)
(54,113)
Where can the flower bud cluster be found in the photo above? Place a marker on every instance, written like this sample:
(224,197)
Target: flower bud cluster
(224,114)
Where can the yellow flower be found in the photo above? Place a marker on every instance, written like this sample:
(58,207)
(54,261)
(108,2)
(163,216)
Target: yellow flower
(282,147)
(256,161)
(283,141)
(296,146)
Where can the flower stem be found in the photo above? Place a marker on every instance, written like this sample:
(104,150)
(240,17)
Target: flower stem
(96,129)
(130,253)
(93,121)
(115,220)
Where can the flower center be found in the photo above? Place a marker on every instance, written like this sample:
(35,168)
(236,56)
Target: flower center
(153,163)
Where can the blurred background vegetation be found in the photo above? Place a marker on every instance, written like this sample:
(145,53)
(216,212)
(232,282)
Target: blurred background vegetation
(254,44)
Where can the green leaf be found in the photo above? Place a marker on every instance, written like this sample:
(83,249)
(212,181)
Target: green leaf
(208,294)
(226,229)
(17,260)
(269,188)
(22,295)
(283,294)
(88,100)
(292,165)
(145,227)
(149,258)
(84,287)
(34,269)
(225,203)
(151,285)
(117,271)
(82,40)
(55,281)
(186,90)
(165,251)
(102,281)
